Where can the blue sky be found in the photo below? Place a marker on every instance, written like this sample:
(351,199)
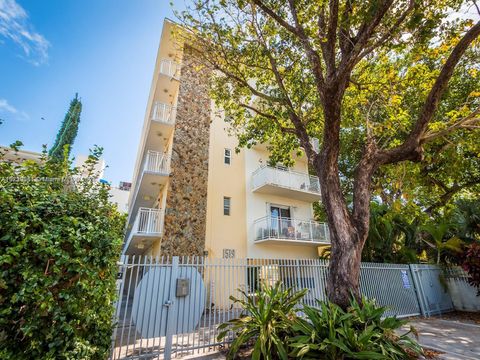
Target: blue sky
(103,49)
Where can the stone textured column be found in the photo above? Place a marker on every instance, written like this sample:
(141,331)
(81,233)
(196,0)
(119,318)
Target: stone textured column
(186,206)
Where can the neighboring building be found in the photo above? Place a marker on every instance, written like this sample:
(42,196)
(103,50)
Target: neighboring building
(19,156)
(98,169)
(119,195)
(193,195)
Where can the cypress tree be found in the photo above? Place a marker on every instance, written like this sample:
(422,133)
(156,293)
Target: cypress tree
(68,131)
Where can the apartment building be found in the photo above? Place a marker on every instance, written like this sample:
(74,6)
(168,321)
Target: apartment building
(193,195)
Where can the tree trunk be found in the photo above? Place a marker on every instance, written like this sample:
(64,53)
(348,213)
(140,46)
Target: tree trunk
(344,269)
(347,234)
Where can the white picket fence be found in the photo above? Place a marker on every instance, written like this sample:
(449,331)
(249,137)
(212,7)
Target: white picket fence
(171,307)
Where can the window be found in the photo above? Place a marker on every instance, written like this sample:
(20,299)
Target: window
(226,205)
(227,156)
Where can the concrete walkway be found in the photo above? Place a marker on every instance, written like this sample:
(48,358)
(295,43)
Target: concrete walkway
(457,340)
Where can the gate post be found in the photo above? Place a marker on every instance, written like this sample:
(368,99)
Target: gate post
(122,270)
(417,283)
(171,309)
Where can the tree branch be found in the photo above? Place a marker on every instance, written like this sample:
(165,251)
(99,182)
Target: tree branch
(299,32)
(389,33)
(282,128)
(467,121)
(361,39)
(328,46)
(301,131)
(449,193)
(411,147)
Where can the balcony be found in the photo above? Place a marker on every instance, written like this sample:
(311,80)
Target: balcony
(153,176)
(170,68)
(156,162)
(285,231)
(286,183)
(147,227)
(164,113)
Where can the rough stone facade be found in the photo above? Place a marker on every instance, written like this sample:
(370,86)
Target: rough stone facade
(186,207)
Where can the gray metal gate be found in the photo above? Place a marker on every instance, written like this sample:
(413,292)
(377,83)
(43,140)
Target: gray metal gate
(171,307)
(432,289)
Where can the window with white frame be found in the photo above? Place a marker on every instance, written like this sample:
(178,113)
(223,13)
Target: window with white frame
(227,156)
(226,205)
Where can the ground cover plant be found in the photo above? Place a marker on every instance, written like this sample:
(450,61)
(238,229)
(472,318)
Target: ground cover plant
(277,326)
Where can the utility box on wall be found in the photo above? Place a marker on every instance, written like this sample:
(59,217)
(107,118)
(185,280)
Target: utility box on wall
(183,287)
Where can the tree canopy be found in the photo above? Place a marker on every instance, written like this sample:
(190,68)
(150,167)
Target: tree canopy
(377,82)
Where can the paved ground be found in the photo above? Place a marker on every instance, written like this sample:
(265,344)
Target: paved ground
(457,340)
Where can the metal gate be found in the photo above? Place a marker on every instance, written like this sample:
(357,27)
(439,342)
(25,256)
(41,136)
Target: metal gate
(171,307)
(432,289)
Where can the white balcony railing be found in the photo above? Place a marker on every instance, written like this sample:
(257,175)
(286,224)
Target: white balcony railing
(285,178)
(157,162)
(164,113)
(294,230)
(148,221)
(315,144)
(170,68)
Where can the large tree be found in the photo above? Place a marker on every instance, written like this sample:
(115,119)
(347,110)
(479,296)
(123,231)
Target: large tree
(68,131)
(376,72)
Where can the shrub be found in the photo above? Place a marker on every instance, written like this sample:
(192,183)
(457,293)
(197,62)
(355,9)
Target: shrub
(60,240)
(471,264)
(328,332)
(264,321)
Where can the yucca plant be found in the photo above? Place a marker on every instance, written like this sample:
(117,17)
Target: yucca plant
(264,322)
(328,332)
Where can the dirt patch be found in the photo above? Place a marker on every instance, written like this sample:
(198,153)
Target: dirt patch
(462,316)
(431,354)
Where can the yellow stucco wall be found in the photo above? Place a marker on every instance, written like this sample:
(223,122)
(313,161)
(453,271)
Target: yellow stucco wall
(225,232)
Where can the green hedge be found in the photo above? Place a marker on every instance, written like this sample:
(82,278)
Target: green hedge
(60,240)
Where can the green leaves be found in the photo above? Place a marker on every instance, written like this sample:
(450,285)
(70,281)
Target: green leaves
(264,321)
(277,327)
(328,332)
(68,131)
(58,250)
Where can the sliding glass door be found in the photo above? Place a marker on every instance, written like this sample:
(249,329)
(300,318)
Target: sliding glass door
(280,221)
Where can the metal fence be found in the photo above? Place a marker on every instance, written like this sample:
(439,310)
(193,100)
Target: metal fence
(433,295)
(171,307)
(465,297)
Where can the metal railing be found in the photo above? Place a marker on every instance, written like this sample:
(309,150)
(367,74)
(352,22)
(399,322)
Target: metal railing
(315,144)
(156,161)
(148,221)
(285,178)
(171,307)
(288,229)
(164,113)
(170,68)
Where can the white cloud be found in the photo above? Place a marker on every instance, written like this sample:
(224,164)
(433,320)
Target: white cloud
(5,107)
(15,26)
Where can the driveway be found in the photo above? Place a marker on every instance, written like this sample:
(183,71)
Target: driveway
(457,340)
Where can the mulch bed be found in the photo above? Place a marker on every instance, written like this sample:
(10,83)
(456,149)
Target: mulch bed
(431,354)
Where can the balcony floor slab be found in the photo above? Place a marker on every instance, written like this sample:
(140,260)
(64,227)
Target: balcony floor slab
(294,193)
(295,242)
